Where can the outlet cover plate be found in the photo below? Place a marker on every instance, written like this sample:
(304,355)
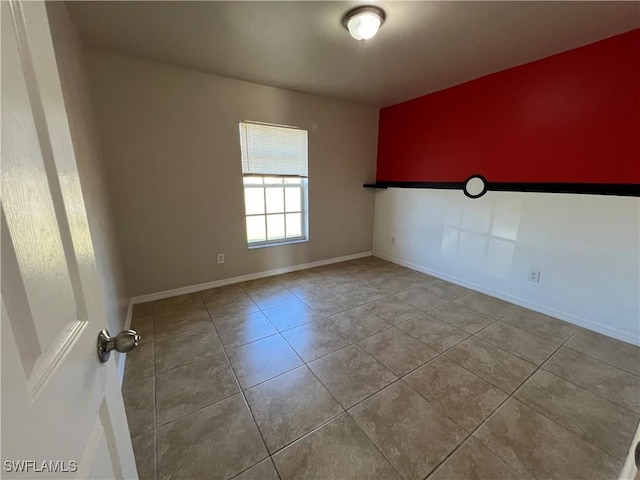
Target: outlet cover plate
(534,276)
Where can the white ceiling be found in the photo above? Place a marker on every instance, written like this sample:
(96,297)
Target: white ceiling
(301,45)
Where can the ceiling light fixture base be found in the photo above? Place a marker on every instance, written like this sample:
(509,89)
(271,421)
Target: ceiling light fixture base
(364,21)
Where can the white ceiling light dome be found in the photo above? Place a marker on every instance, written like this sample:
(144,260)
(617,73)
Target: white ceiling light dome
(363,22)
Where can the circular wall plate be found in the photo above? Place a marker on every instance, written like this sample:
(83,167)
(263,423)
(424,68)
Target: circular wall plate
(475,186)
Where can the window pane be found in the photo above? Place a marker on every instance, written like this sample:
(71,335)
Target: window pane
(256,229)
(254,200)
(292,195)
(294,225)
(273,180)
(292,181)
(275,226)
(275,200)
(252,180)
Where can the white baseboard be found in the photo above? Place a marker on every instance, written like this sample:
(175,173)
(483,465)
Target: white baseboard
(242,278)
(122,358)
(567,317)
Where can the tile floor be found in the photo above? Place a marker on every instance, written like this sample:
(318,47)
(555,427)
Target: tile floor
(366,369)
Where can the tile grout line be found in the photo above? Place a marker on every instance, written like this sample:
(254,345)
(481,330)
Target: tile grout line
(241,391)
(353,343)
(365,433)
(510,395)
(325,319)
(190,362)
(399,378)
(477,337)
(603,361)
(492,413)
(364,338)
(306,434)
(534,408)
(344,410)
(305,363)
(637,414)
(585,388)
(438,355)
(316,377)
(476,374)
(391,325)
(197,410)
(535,333)
(546,339)
(561,345)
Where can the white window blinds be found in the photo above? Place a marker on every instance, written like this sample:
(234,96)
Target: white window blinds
(271,150)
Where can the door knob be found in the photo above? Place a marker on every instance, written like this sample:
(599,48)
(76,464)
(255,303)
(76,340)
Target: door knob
(124,342)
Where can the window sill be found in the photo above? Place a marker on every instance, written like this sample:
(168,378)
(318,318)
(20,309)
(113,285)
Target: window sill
(278,244)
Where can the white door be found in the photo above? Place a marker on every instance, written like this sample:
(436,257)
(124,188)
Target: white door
(62,411)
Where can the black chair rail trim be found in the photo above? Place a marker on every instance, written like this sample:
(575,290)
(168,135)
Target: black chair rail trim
(619,189)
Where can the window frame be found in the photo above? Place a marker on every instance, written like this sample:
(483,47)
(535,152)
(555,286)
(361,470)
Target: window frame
(304,210)
(302,174)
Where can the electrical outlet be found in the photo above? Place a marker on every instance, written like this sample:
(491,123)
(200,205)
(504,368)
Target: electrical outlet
(221,258)
(534,276)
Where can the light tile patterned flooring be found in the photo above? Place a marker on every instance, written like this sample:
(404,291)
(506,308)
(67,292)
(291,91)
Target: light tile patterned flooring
(365,369)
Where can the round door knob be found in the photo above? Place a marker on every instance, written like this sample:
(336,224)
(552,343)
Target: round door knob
(124,342)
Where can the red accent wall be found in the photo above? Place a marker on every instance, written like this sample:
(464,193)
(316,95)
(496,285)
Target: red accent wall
(573,117)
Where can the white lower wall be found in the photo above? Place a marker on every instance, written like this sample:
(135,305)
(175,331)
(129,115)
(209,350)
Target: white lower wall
(587,248)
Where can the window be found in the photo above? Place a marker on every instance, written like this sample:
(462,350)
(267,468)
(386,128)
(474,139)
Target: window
(275,177)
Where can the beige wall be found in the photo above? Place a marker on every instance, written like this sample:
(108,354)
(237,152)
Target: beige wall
(70,57)
(170,139)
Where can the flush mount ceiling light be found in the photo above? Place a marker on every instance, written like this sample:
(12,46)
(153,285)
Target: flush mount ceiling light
(363,22)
